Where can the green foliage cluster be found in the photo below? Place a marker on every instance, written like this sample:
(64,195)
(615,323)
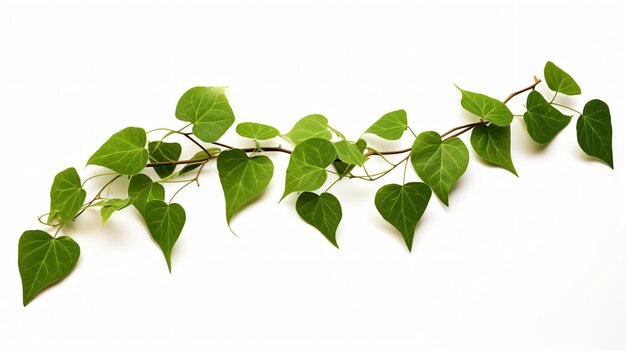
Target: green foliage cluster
(318,150)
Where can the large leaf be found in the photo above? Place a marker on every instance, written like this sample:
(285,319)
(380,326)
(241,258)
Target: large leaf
(485,107)
(243,178)
(322,212)
(256,131)
(558,80)
(160,151)
(165,223)
(311,126)
(66,196)
(594,131)
(344,168)
(208,110)
(403,206)
(125,152)
(493,144)
(439,164)
(350,153)
(44,260)
(306,170)
(391,126)
(142,190)
(543,120)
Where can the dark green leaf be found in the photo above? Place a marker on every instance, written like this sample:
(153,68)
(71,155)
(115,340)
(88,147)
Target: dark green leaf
(403,206)
(165,223)
(199,156)
(485,107)
(350,153)
(594,131)
(343,168)
(306,170)
(311,126)
(109,206)
(493,144)
(142,190)
(391,126)
(124,152)
(322,212)
(66,196)
(161,151)
(256,131)
(208,110)
(559,81)
(44,260)
(543,120)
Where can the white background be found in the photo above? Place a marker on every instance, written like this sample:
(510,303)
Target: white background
(529,263)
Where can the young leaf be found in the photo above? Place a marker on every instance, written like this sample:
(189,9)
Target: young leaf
(201,155)
(306,170)
(439,164)
(142,190)
(208,110)
(125,152)
(44,260)
(594,131)
(160,151)
(243,178)
(322,212)
(403,206)
(493,144)
(350,153)
(391,126)
(109,206)
(485,107)
(543,120)
(559,81)
(256,131)
(311,126)
(344,168)
(165,223)
(66,196)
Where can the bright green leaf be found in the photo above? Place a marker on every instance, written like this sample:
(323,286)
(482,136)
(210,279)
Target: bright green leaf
(344,168)
(66,196)
(311,126)
(485,107)
(350,153)
(142,190)
(256,131)
(439,164)
(403,206)
(306,170)
(322,212)
(391,126)
(594,131)
(160,151)
(543,120)
(124,152)
(208,110)
(109,206)
(559,81)
(44,260)
(201,155)
(165,223)
(493,144)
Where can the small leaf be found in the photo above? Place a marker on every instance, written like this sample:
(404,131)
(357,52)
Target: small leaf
(485,107)
(439,164)
(559,81)
(343,168)
(493,144)
(66,196)
(124,152)
(306,170)
(594,131)
(391,126)
(243,178)
(165,223)
(256,131)
(44,260)
(142,190)
(350,153)
(403,206)
(543,120)
(160,151)
(109,206)
(311,126)
(208,110)
(199,156)
(322,212)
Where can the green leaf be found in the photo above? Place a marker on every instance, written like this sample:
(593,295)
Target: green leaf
(199,156)
(208,110)
(160,151)
(543,121)
(311,126)
(142,190)
(391,126)
(403,206)
(243,178)
(66,196)
(124,152)
(109,206)
(439,164)
(322,212)
(44,260)
(344,168)
(559,81)
(256,131)
(165,223)
(306,170)
(350,153)
(493,144)
(594,131)
(485,107)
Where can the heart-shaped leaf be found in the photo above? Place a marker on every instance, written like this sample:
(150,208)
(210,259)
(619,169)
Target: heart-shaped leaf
(256,131)
(125,152)
(322,212)
(66,196)
(485,107)
(391,126)
(559,81)
(306,170)
(208,110)
(142,190)
(165,223)
(308,127)
(543,120)
(160,151)
(493,144)
(594,131)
